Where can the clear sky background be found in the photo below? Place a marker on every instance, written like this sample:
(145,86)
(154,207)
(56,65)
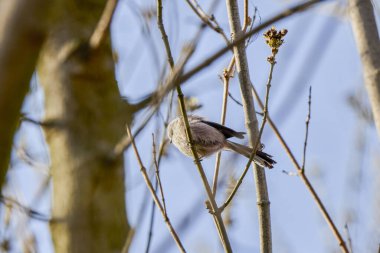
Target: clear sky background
(343,151)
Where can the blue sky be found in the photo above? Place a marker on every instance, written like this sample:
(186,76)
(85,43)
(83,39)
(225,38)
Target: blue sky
(319,51)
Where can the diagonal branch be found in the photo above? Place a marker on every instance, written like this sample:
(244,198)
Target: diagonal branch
(304,179)
(154,195)
(176,79)
(103,25)
(214,208)
(208,20)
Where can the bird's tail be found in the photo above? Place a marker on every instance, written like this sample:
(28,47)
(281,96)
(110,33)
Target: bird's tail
(261,158)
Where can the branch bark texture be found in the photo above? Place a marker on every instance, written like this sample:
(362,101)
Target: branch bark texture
(367,40)
(82,98)
(251,125)
(23,26)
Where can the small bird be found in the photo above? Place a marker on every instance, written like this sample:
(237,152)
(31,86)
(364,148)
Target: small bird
(210,137)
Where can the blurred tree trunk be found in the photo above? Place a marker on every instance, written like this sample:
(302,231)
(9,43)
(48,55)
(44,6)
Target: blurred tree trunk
(23,26)
(84,119)
(368,43)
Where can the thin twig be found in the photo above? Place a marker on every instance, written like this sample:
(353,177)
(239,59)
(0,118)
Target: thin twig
(234,99)
(103,25)
(164,36)
(210,21)
(24,156)
(304,179)
(298,8)
(211,200)
(252,127)
(151,223)
(176,79)
(157,164)
(8,201)
(264,120)
(222,121)
(157,97)
(158,174)
(125,142)
(214,208)
(348,234)
(307,122)
(153,193)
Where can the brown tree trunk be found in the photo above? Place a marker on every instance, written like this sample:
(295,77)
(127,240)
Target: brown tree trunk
(23,26)
(84,118)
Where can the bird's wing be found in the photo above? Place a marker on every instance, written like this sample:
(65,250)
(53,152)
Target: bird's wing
(206,135)
(227,132)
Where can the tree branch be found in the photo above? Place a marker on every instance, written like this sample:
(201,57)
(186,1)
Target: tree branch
(251,124)
(367,40)
(176,79)
(23,27)
(103,25)
(214,208)
(307,122)
(304,179)
(154,195)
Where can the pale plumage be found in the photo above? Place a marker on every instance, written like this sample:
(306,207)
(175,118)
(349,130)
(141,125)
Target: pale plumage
(210,137)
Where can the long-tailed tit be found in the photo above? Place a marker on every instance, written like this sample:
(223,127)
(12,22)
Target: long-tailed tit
(210,137)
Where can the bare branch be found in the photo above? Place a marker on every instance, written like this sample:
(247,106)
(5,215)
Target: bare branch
(272,61)
(8,201)
(214,208)
(348,237)
(176,79)
(153,193)
(210,21)
(157,171)
(227,74)
(304,179)
(103,25)
(306,132)
(275,40)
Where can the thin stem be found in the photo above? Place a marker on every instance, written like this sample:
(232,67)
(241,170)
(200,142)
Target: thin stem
(157,171)
(10,202)
(207,62)
(151,223)
(153,193)
(177,79)
(208,20)
(304,179)
(265,110)
(247,19)
(214,208)
(348,234)
(307,122)
(226,82)
(103,25)
(125,142)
